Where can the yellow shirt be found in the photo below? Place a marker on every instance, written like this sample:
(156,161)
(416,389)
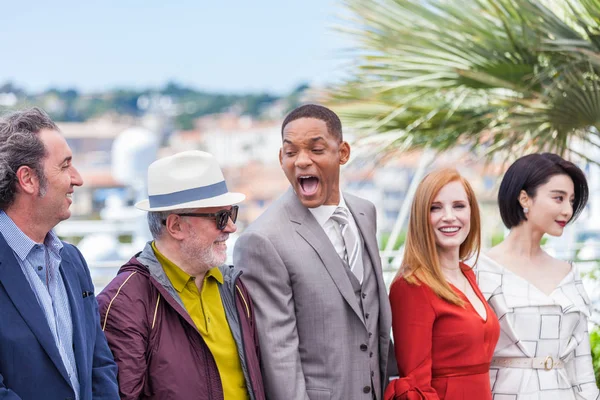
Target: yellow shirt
(207,312)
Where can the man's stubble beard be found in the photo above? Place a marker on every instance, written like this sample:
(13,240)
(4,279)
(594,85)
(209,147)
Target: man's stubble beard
(200,255)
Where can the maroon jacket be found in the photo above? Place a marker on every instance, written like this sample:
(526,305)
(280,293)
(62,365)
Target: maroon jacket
(159,352)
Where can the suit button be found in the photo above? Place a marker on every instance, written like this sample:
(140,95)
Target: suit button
(371,354)
(370,334)
(372,374)
(367,389)
(363,347)
(367,316)
(364,295)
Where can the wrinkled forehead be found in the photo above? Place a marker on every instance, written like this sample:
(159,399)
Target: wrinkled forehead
(299,140)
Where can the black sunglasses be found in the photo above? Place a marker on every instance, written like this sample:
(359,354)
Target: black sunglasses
(221,217)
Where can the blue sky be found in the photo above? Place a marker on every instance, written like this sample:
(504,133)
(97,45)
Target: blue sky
(231,46)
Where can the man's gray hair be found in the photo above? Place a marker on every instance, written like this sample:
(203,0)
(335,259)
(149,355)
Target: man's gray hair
(20,145)
(156,219)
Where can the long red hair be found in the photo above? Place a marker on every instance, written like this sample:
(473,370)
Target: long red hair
(421,263)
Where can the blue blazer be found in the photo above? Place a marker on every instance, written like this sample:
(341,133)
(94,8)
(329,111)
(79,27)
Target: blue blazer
(30,365)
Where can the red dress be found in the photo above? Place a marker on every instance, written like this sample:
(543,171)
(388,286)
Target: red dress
(443,350)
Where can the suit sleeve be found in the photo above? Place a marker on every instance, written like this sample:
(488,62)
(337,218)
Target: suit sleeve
(269,284)
(5,393)
(104,368)
(126,328)
(412,325)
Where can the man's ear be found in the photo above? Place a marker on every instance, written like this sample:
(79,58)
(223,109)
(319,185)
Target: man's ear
(281,156)
(27,180)
(174,226)
(344,153)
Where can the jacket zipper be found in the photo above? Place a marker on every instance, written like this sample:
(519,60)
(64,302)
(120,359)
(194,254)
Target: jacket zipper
(208,354)
(242,332)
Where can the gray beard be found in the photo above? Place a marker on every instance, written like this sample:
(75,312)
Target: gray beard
(199,256)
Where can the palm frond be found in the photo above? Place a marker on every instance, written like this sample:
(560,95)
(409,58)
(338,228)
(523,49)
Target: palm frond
(501,76)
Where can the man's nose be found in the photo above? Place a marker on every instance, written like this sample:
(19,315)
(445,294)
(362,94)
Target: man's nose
(76,179)
(303,160)
(230,227)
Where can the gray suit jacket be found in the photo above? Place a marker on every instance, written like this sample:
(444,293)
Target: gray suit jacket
(310,324)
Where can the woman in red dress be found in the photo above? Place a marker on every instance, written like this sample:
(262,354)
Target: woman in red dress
(444,331)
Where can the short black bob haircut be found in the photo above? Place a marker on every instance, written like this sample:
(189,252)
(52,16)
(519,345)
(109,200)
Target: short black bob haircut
(530,172)
(332,121)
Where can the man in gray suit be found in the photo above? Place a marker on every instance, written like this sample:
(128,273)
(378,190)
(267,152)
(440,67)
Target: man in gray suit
(312,266)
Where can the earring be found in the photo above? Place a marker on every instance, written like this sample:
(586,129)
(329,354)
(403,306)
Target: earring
(525,210)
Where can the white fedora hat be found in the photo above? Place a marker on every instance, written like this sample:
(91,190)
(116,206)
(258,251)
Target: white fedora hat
(190,179)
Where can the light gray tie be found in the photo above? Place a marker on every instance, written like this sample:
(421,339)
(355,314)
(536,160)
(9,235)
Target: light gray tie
(351,242)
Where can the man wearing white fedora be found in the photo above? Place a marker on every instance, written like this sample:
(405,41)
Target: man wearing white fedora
(180,324)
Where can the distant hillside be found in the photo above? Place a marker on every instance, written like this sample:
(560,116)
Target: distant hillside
(182,103)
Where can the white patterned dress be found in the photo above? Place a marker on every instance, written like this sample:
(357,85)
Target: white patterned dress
(533,324)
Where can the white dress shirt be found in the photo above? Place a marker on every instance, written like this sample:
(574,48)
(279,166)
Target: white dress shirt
(332,229)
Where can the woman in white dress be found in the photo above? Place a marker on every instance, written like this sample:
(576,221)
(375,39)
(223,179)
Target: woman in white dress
(544,351)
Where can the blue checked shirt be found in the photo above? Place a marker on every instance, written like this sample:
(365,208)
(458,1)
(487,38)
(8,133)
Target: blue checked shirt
(41,265)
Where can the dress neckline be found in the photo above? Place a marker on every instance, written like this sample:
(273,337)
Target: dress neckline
(463,269)
(508,270)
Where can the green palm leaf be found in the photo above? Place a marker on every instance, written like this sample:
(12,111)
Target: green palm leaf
(501,76)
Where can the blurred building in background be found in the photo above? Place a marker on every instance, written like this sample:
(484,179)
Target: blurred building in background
(112,154)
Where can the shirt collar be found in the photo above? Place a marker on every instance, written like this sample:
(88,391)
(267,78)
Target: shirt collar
(22,244)
(178,277)
(324,212)
(214,273)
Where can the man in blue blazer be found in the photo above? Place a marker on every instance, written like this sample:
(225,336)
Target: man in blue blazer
(51,343)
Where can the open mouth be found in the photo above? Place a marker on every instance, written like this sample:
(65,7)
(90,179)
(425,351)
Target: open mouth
(449,230)
(308,184)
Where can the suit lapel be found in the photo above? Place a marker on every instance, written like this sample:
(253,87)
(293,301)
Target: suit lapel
(309,229)
(364,227)
(20,293)
(75,295)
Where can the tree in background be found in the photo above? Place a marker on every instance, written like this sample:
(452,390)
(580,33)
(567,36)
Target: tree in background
(505,77)
(184,104)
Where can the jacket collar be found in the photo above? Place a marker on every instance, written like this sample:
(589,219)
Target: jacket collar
(149,260)
(146,263)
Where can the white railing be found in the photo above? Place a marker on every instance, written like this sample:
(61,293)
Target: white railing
(104,272)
